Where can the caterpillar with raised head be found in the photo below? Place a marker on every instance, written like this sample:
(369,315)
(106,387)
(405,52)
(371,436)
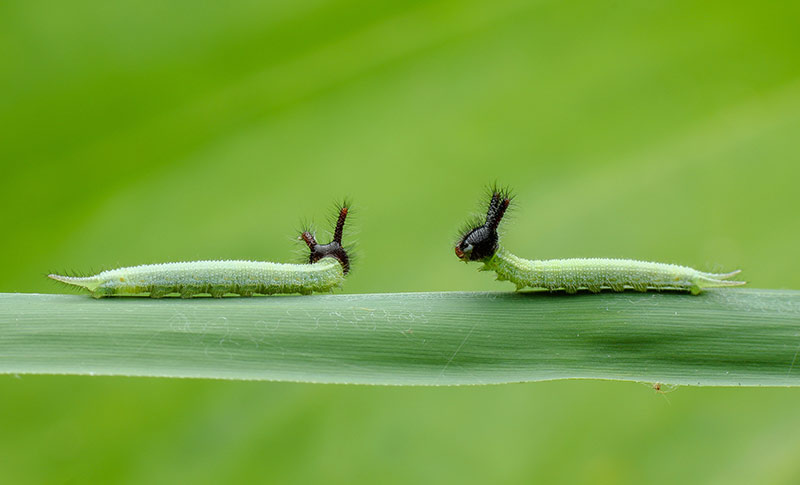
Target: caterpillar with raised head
(326,268)
(479,242)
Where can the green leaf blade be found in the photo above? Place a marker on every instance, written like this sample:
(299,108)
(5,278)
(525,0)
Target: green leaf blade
(742,337)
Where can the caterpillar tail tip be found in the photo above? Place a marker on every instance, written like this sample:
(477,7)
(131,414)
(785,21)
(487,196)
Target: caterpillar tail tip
(719,280)
(720,283)
(90,284)
(62,279)
(722,276)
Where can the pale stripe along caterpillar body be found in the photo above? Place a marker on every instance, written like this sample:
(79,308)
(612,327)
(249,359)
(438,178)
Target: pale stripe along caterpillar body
(480,242)
(326,269)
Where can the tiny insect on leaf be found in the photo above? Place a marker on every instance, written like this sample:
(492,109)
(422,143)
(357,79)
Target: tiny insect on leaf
(480,242)
(327,266)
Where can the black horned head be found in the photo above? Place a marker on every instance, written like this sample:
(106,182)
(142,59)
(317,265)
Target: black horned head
(333,249)
(479,241)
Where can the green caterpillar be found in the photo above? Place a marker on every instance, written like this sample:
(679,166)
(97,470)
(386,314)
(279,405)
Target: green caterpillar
(327,266)
(480,242)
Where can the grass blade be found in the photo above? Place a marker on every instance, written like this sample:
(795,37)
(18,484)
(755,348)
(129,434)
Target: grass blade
(745,337)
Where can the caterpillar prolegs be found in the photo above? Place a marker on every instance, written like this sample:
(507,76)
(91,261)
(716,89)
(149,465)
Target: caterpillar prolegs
(326,268)
(480,242)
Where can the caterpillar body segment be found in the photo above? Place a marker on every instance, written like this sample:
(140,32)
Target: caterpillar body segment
(215,278)
(597,274)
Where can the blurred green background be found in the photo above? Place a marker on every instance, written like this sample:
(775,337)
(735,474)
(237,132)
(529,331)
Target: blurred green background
(137,132)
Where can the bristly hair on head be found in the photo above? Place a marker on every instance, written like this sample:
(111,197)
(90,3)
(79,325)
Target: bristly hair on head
(342,212)
(335,248)
(479,216)
(500,198)
(479,238)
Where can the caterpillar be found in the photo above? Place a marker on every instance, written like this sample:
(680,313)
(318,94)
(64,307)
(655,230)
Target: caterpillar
(326,268)
(479,241)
